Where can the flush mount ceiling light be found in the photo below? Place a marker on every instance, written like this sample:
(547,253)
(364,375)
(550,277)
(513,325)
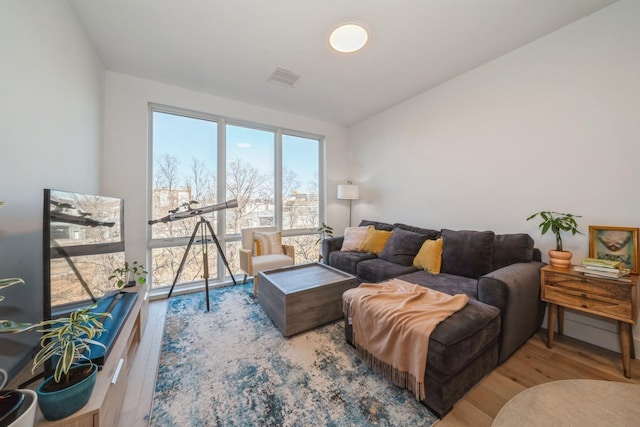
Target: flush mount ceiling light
(348,38)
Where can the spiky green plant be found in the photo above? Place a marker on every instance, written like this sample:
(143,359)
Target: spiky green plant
(69,338)
(5,283)
(7,326)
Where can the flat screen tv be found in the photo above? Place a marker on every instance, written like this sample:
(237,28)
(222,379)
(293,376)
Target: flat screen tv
(83,242)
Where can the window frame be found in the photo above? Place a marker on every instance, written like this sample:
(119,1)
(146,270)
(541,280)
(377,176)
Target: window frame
(220,229)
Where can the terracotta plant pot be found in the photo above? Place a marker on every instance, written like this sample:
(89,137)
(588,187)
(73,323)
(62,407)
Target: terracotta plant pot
(560,258)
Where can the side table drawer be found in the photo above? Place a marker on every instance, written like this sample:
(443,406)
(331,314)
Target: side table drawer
(606,297)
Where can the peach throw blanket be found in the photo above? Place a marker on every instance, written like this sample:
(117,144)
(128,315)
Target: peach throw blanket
(392,322)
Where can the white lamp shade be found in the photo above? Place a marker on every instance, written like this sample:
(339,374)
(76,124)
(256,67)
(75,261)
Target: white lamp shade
(348,192)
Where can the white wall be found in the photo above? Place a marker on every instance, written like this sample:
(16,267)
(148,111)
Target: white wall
(51,83)
(485,150)
(126,160)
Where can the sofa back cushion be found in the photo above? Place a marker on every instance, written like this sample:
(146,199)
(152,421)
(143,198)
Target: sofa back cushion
(430,233)
(402,246)
(467,253)
(377,225)
(512,248)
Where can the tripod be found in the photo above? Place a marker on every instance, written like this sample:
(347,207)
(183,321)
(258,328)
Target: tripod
(205,260)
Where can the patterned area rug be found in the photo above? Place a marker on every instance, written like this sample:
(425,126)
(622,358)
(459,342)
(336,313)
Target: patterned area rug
(232,367)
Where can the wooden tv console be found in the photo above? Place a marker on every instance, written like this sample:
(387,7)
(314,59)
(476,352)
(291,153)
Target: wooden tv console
(105,403)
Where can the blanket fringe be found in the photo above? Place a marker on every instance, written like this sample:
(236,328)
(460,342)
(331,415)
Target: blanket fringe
(397,377)
(400,378)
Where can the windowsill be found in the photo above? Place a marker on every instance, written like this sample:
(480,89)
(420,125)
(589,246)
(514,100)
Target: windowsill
(163,292)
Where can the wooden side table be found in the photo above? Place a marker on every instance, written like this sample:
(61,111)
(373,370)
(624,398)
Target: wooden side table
(614,299)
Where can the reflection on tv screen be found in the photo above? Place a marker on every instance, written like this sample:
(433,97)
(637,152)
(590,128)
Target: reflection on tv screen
(86,279)
(80,219)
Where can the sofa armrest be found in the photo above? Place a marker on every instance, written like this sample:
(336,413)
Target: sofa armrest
(329,245)
(290,251)
(515,290)
(245,261)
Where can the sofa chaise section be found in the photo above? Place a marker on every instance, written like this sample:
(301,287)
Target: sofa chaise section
(499,273)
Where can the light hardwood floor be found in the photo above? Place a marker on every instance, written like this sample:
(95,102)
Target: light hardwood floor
(531,365)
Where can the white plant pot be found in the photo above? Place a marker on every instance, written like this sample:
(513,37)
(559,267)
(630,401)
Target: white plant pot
(27,411)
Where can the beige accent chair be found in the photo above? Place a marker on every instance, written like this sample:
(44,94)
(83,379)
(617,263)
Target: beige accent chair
(252,265)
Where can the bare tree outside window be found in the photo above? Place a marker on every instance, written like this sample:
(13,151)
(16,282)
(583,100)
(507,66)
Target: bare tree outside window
(185,170)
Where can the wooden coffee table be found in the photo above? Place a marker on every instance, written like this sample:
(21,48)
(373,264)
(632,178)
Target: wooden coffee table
(304,296)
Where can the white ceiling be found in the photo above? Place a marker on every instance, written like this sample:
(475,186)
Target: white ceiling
(230,48)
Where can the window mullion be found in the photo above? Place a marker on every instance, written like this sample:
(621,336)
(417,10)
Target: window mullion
(222,193)
(277,207)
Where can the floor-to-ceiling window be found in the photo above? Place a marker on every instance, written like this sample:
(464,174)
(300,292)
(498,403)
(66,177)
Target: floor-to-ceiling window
(200,161)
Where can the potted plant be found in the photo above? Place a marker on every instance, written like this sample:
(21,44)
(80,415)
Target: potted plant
(129,275)
(10,325)
(325,231)
(558,222)
(67,342)
(17,407)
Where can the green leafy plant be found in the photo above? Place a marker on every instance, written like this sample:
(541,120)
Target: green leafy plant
(69,338)
(7,326)
(325,231)
(557,222)
(135,273)
(5,283)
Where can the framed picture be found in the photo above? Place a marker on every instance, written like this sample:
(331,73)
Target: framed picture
(615,243)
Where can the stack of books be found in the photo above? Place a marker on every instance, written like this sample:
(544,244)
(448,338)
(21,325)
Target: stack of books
(596,267)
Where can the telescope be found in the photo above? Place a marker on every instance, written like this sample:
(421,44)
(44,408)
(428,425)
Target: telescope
(191,212)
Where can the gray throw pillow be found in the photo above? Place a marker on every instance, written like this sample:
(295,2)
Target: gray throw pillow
(467,253)
(402,247)
(511,248)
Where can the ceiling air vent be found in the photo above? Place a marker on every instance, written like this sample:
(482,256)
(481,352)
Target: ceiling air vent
(284,77)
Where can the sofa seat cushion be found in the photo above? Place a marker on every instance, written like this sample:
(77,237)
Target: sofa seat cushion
(462,337)
(347,261)
(271,261)
(465,334)
(444,282)
(378,270)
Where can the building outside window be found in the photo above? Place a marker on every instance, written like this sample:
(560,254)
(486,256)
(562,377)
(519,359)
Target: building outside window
(273,173)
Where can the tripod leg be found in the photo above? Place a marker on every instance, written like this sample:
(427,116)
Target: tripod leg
(205,262)
(220,252)
(184,258)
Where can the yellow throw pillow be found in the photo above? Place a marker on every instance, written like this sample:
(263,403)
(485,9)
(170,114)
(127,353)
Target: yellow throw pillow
(429,256)
(353,237)
(375,241)
(267,243)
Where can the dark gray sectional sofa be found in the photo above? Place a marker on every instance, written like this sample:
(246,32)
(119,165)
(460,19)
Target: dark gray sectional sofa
(499,273)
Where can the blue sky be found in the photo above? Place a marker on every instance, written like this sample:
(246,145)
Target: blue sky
(186,138)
